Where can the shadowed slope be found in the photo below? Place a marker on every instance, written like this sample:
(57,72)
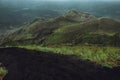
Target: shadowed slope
(23,64)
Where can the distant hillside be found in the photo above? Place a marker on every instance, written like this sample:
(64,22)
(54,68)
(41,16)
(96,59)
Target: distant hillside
(11,18)
(99,31)
(70,29)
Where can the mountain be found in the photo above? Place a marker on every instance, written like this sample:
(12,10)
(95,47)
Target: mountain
(14,17)
(98,31)
(61,62)
(15,13)
(71,28)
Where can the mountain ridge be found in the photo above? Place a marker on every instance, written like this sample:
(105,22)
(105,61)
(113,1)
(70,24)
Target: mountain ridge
(59,30)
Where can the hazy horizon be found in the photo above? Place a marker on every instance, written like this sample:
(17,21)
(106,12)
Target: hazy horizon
(23,11)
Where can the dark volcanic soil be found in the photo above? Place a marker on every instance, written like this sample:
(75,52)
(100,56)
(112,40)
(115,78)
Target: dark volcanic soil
(24,64)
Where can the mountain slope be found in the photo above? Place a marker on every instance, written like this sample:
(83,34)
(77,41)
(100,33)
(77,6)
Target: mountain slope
(25,64)
(103,28)
(71,28)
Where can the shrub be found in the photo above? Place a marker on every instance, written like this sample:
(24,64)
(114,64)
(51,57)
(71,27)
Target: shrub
(3,71)
(116,39)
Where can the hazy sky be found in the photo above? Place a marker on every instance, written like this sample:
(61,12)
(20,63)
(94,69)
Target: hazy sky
(76,0)
(60,0)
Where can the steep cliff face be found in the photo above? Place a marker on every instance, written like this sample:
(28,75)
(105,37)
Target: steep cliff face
(23,64)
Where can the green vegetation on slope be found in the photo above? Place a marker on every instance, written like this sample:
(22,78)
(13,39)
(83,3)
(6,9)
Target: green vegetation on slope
(72,28)
(3,72)
(106,56)
(39,29)
(99,32)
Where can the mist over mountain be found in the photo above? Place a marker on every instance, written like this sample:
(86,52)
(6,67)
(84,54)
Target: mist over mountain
(14,13)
